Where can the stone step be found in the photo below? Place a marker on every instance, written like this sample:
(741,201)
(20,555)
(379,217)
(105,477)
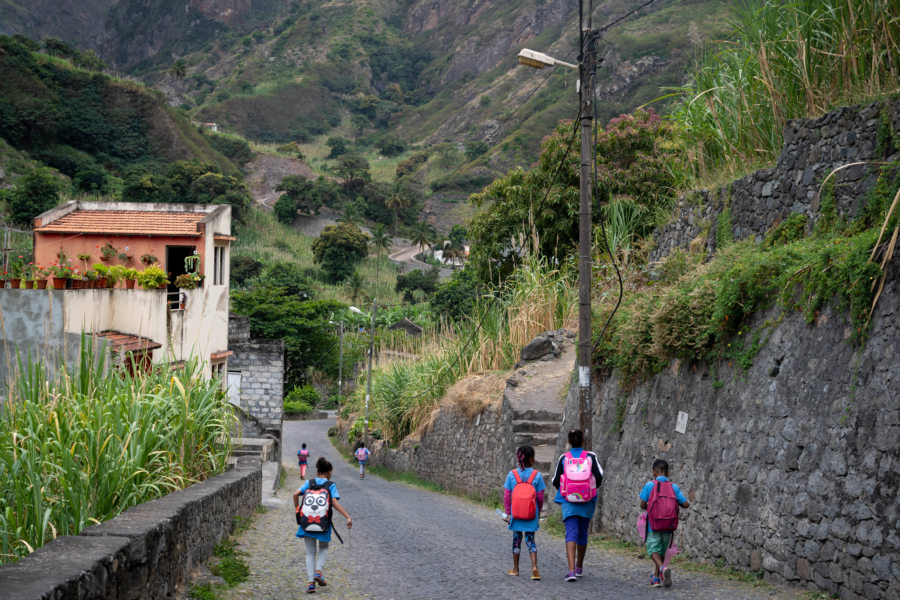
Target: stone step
(536,426)
(545,459)
(536,414)
(534,438)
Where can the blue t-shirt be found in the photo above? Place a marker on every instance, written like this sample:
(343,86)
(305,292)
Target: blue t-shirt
(648,489)
(576,509)
(510,483)
(325,536)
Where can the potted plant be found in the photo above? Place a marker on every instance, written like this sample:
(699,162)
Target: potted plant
(61,273)
(90,278)
(187,281)
(152,278)
(130,278)
(27,273)
(102,274)
(148,259)
(108,251)
(114,275)
(16,269)
(39,277)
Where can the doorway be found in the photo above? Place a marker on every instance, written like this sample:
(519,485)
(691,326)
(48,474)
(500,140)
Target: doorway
(175,256)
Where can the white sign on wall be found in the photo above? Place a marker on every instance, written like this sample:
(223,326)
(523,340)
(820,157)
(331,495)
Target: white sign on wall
(681,423)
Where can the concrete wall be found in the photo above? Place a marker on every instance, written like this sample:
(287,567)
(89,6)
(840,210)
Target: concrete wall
(813,149)
(791,466)
(143,553)
(32,324)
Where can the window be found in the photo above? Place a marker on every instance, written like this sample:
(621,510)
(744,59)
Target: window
(219,265)
(234,387)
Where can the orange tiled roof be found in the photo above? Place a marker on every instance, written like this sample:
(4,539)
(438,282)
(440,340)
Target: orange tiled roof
(123,342)
(126,222)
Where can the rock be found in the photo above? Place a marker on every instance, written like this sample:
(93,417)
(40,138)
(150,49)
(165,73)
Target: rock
(539,347)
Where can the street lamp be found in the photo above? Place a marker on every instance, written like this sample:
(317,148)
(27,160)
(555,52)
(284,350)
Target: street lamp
(340,360)
(369,371)
(588,59)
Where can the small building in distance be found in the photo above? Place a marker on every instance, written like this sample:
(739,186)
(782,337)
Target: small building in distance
(408,326)
(151,326)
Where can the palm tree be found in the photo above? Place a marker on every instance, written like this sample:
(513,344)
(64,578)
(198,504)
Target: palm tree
(381,242)
(423,234)
(396,202)
(354,286)
(178,70)
(352,213)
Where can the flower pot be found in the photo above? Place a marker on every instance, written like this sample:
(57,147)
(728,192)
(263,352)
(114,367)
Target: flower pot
(40,284)
(129,284)
(59,283)
(14,283)
(101,282)
(28,284)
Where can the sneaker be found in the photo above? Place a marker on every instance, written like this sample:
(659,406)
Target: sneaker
(654,581)
(578,572)
(667,578)
(570,576)
(320,580)
(312,588)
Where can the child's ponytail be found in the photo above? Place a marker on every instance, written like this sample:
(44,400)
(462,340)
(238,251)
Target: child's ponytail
(525,456)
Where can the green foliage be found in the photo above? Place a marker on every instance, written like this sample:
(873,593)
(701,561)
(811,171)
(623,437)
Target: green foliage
(411,165)
(475,148)
(230,565)
(455,298)
(790,230)
(701,313)
(781,65)
(301,400)
(390,144)
(407,283)
(152,278)
(243,269)
(288,277)
(339,248)
(635,159)
(724,232)
(302,324)
(36,192)
(338,146)
(304,195)
(233,147)
(86,443)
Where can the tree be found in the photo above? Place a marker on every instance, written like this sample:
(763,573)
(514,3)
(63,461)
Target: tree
(408,283)
(353,212)
(455,298)
(243,269)
(36,191)
(381,242)
(178,69)
(285,209)
(354,170)
(423,235)
(398,201)
(390,144)
(302,196)
(355,287)
(338,249)
(338,146)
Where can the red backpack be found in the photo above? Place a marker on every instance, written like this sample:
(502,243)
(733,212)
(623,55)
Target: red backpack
(524,497)
(662,507)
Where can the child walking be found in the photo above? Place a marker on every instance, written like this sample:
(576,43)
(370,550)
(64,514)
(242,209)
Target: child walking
(362,456)
(303,458)
(661,499)
(576,479)
(523,498)
(316,537)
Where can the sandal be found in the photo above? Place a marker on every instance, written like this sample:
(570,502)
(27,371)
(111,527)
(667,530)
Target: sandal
(513,573)
(535,576)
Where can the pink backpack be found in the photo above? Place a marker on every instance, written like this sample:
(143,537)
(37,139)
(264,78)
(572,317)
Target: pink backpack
(577,483)
(362,454)
(662,507)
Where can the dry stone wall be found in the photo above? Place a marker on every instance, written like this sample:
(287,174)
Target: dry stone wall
(791,467)
(848,141)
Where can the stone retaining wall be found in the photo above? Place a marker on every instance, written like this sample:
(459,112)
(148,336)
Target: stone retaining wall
(813,148)
(466,455)
(791,467)
(143,553)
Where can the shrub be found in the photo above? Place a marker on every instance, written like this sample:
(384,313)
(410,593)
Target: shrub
(301,400)
(36,192)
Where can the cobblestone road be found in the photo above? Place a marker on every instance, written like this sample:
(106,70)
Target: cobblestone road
(408,543)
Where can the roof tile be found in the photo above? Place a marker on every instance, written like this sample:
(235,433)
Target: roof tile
(126,222)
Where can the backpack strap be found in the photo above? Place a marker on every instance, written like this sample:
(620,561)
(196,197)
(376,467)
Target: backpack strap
(517,476)
(533,475)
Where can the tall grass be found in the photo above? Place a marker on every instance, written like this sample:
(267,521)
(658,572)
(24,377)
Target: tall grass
(80,446)
(405,392)
(788,60)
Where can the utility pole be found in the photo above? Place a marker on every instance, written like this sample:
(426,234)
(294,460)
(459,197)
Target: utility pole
(586,99)
(341,364)
(369,375)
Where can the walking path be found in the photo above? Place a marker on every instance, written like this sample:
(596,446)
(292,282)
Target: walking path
(409,543)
